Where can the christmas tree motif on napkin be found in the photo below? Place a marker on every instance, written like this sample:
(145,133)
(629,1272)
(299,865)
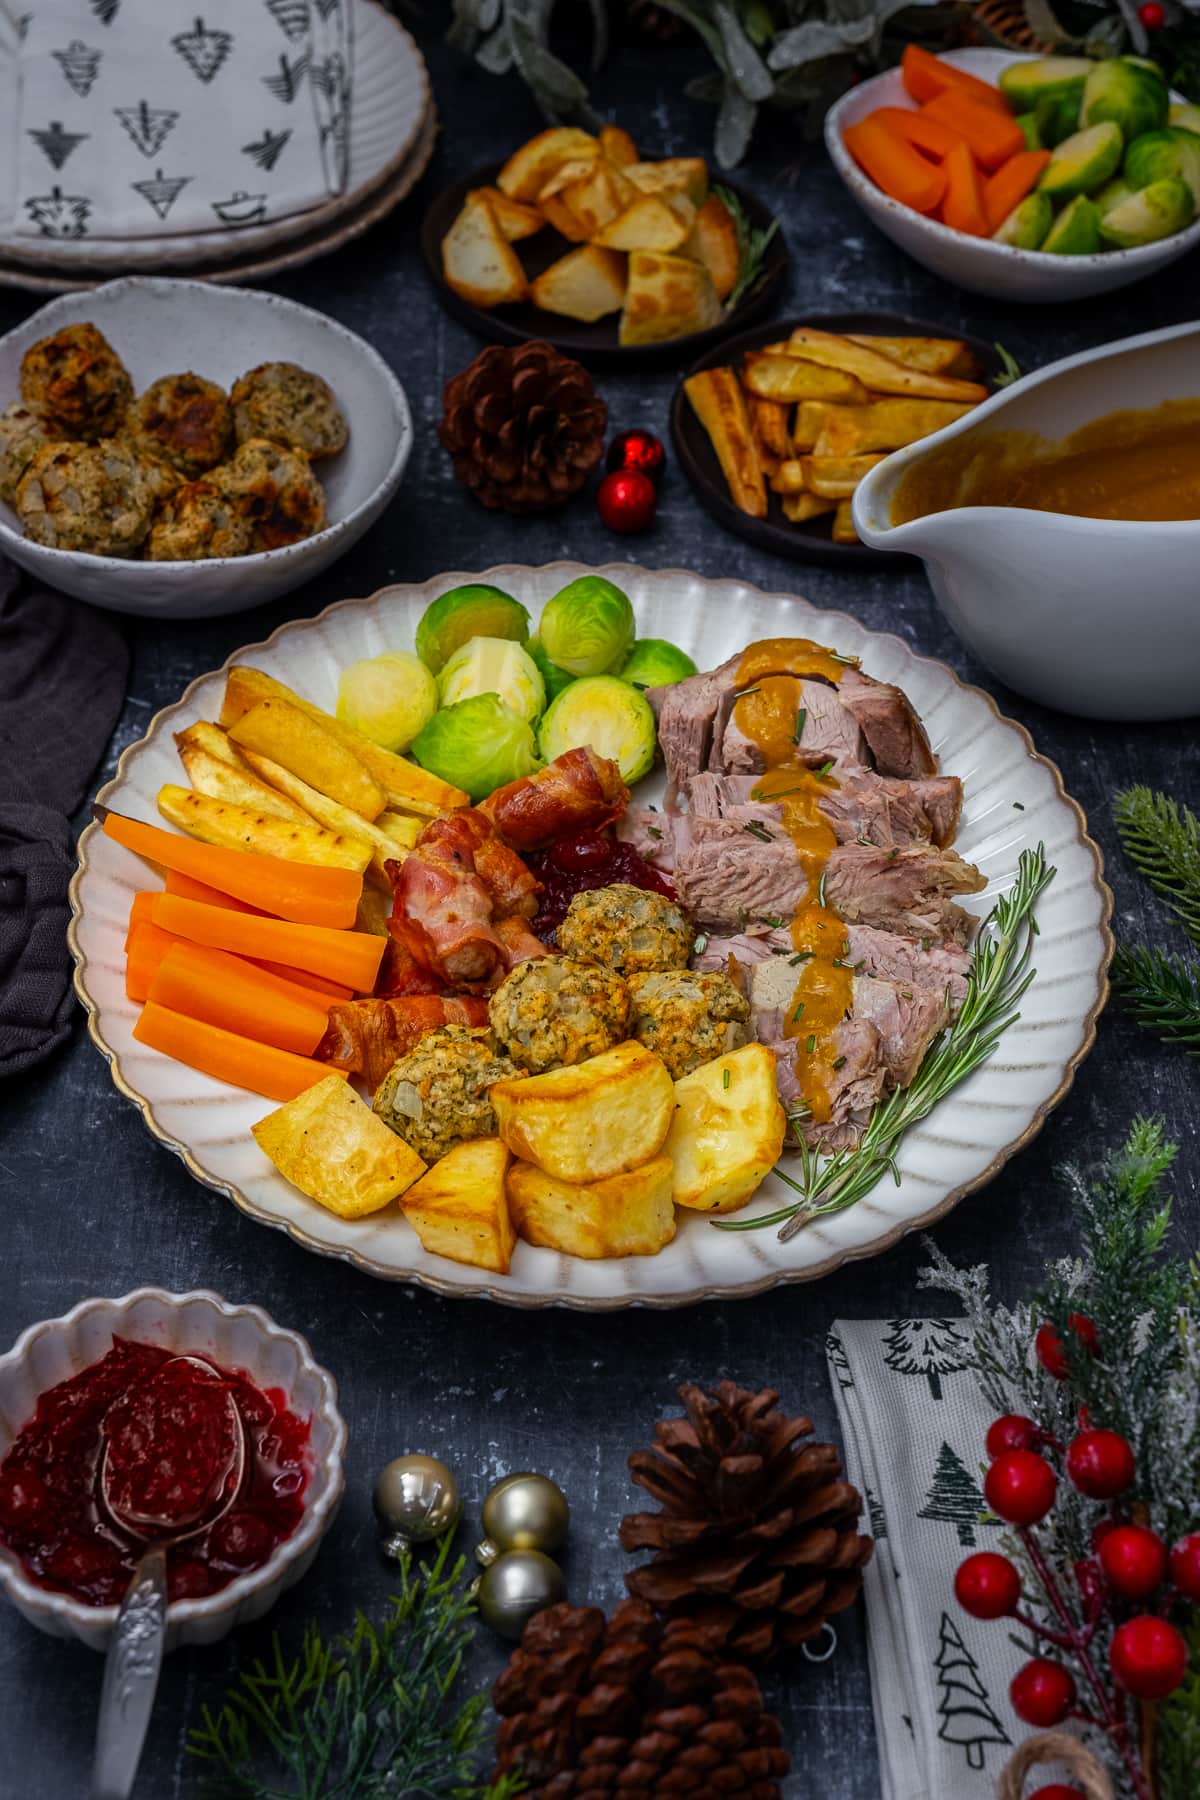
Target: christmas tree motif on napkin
(148,126)
(839,1365)
(929,1347)
(292,17)
(963,1705)
(162,192)
(290,79)
(956,1497)
(80,65)
(106,10)
(55,143)
(202,50)
(59,215)
(267,149)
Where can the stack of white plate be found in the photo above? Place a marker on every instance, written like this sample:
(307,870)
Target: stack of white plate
(393,124)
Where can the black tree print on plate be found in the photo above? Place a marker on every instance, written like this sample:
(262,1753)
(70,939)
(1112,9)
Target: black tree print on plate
(956,1497)
(59,215)
(292,17)
(162,191)
(290,79)
(55,143)
(203,50)
(327,8)
(964,1709)
(267,149)
(80,64)
(241,209)
(105,10)
(929,1347)
(835,1355)
(148,126)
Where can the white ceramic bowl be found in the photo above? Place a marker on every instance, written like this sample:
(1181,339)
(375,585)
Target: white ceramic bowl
(161,327)
(976,263)
(241,1337)
(1093,616)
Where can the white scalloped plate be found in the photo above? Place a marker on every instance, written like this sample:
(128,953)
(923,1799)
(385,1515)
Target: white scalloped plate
(1014,799)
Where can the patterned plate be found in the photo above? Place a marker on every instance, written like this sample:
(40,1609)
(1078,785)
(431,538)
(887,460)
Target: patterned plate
(1014,799)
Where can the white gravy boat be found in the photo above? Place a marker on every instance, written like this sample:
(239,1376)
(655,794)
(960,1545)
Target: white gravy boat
(1099,617)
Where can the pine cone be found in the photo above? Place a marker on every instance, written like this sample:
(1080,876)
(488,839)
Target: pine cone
(756,1542)
(525,427)
(634,1706)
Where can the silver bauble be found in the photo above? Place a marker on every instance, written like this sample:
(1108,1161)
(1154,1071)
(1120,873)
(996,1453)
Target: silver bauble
(518,1584)
(524,1511)
(416,1499)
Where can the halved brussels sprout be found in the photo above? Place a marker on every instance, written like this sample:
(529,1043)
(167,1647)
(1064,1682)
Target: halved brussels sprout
(1157,154)
(1024,84)
(1128,92)
(388,698)
(478,744)
(1154,212)
(1111,194)
(1083,162)
(473,610)
(606,715)
(588,626)
(1185,116)
(489,665)
(554,678)
(653,662)
(1076,231)
(1027,224)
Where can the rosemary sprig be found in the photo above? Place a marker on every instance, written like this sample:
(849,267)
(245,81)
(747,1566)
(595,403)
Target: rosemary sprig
(1001,971)
(1010,368)
(1162,840)
(753,244)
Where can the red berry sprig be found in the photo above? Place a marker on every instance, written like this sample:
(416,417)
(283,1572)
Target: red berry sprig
(1052,1352)
(1185,1566)
(1020,1487)
(1100,1464)
(987,1586)
(1148,1657)
(1042,1693)
(1152,15)
(1134,1560)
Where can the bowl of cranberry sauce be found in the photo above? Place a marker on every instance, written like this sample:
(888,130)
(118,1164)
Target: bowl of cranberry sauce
(162,1415)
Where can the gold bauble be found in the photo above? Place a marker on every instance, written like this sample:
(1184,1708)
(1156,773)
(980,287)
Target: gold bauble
(514,1587)
(416,1499)
(524,1511)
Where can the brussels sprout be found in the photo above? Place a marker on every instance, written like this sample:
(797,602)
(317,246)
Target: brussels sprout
(1157,154)
(1031,124)
(554,678)
(1023,84)
(1126,92)
(1185,117)
(588,626)
(478,744)
(653,662)
(1154,212)
(609,716)
(1027,224)
(474,610)
(388,698)
(1076,231)
(1083,162)
(1111,194)
(488,665)
(1050,121)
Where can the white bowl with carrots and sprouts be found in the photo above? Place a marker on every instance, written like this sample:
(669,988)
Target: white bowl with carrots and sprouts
(965,253)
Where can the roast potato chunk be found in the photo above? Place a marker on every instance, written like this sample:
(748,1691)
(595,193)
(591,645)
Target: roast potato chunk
(667,297)
(625,1215)
(459,1208)
(329,1144)
(253,828)
(584,284)
(280,731)
(528,170)
(728,1129)
(595,1119)
(477,260)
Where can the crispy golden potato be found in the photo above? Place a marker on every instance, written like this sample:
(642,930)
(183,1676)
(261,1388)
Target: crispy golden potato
(459,1209)
(515,219)
(713,240)
(594,1119)
(374,911)
(836,477)
(720,406)
(625,1215)
(843,525)
(552,201)
(205,736)
(809,424)
(880,373)
(329,1144)
(787,379)
(223,780)
(618,146)
(797,508)
(728,1129)
(672,175)
(588,284)
(584,197)
(529,169)
(788,476)
(882,425)
(769,423)
(288,736)
(477,260)
(235,827)
(667,297)
(937,356)
(384,842)
(647,224)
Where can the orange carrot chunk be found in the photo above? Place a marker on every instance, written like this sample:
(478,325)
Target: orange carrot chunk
(917,129)
(1010,184)
(925,75)
(349,957)
(993,137)
(305,894)
(185,887)
(226,1056)
(325,991)
(895,166)
(962,209)
(145,949)
(139,912)
(223,990)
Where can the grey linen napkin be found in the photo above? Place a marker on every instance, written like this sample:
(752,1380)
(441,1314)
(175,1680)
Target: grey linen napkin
(62,682)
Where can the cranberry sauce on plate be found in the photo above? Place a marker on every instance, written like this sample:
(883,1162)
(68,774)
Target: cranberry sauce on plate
(574,865)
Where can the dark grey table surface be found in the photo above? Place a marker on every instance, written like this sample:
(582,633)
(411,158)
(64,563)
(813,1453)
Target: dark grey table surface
(92,1205)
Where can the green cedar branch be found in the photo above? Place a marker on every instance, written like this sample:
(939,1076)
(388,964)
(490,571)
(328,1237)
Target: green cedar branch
(1162,840)
(1161,991)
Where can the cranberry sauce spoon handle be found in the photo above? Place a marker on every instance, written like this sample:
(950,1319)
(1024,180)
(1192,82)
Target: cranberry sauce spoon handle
(131,1673)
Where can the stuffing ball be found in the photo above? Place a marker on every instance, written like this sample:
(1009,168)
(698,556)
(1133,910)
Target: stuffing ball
(23,429)
(78,381)
(437,1095)
(91,497)
(289,405)
(687,1019)
(278,491)
(551,1012)
(184,420)
(626,928)
(198,522)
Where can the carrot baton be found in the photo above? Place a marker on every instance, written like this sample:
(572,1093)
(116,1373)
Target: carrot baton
(962,209)
(186,887)
(895,166)
(144,950)
(220,989)
(918,129)
(349,957)
(1010,184)
(992,137)
(925,76)
(227,1057)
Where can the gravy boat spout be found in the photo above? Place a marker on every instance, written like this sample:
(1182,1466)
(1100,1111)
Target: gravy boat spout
(1099,617)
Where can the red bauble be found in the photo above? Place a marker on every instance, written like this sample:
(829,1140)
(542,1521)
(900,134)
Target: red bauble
(1012,1431)
(1185,1566)
(1100,1464)
(1042,1693)
(1134,1559)
(1152,15)
(1020,1487)
(987,1586)
(1148,1657)
(1051,1352)
(638,450)
(627,500)
(1058,1790)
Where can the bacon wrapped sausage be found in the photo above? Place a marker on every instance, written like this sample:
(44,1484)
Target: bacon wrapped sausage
(578,791)
(364,1037)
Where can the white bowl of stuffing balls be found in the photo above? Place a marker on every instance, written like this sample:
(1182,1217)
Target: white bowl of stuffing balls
(180,450)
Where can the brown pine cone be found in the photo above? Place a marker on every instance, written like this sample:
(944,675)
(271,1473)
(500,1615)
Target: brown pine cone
(524,427)
(632,1705)
(756,1542)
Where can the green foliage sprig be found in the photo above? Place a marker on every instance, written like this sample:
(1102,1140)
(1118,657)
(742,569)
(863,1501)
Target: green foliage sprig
(371,1715)
(1162,840)
(753,243)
